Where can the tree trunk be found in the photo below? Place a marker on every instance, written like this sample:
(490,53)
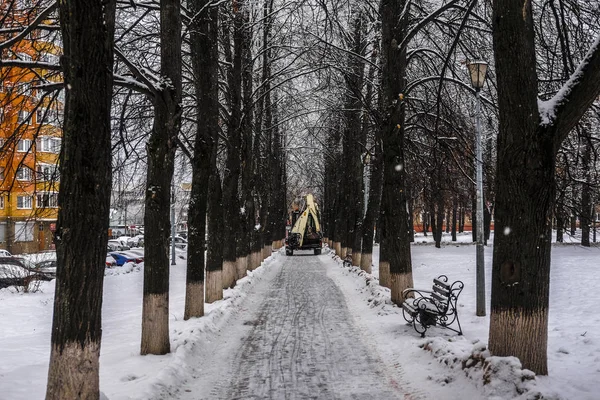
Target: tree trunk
(231,206)
(372,209)
(214,254)
(454,222)
(245,246)
(440,225)
(394,61)
(161,155)
(573,225)
(487,224)
(86,179)
(204,54)
(586,195)
(524,196)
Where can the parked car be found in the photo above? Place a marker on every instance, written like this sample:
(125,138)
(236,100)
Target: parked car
(110,261)
(116,245)
(5,253)
(121,258)
(180,242)
(18,272)
(48,267)
(136,241)
(135,254)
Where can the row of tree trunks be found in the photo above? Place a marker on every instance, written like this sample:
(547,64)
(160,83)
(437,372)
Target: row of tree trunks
(161,156)
(86,178)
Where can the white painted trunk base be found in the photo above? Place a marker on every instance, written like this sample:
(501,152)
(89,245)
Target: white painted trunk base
(366,260)
(214,286)
(337,246)
(356,257)
(384,274)
(74,372)
(194,300)
(155,324)
(399,282)
(511,333)
(229,270)
(242,266)
(344,252)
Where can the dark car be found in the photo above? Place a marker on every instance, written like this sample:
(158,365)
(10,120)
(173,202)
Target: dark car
(18,272)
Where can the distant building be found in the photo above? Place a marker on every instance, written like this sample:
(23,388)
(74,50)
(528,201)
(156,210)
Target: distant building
(30,137)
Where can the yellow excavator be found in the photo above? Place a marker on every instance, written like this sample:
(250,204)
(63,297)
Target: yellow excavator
(306,229)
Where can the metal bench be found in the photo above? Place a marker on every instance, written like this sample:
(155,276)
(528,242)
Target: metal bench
(425,308)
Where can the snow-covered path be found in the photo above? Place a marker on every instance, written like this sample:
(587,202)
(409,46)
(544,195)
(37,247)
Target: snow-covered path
(296,340)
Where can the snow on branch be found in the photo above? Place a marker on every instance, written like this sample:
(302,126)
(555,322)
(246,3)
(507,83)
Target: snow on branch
(575,96)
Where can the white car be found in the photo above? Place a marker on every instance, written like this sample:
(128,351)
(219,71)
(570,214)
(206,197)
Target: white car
(5,253)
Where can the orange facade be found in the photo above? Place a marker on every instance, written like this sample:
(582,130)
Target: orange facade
(30,136)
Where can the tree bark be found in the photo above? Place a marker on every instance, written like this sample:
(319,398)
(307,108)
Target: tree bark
(586,195)
(86,179)
(161,156)
(393,204)
(204,55)
(454,222)
(231,205)
(372,207)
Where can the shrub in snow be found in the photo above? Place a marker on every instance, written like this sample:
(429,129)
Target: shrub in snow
(500,377)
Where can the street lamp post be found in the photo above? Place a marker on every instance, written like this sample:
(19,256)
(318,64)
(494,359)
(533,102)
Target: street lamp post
(477,71)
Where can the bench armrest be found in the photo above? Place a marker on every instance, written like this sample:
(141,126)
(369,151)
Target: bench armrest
(420,292)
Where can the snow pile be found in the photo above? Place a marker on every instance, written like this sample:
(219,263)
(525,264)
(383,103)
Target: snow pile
(377,296)
(499,377)
(127,268)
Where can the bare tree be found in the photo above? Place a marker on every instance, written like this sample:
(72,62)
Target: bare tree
(161,154)
(531,132)
(86,180)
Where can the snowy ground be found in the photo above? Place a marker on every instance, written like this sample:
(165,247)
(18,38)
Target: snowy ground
(200,346)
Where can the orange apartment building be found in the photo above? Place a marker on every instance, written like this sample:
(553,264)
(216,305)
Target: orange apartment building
(30,139)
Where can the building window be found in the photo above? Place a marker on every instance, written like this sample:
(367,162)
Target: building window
(24,202)
(48,144)
(2,231)
(1,174)
(23,145)
(47,200)
(23,173)
(1,201)
(1,113)
(46,116)
(23,232)
(23,117)
(47,172)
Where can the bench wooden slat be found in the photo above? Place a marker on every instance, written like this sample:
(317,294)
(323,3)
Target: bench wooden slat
(441,299)
(441,290)
(409,308)
(441,283)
